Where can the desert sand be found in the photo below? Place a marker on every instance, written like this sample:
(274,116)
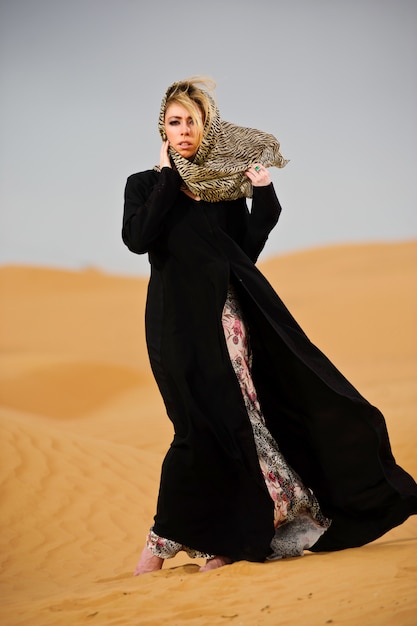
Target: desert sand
(84,433)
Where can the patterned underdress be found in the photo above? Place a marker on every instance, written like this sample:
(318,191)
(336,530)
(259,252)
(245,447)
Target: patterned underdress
(298,520)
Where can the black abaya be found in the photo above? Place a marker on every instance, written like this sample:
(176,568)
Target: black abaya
(212,493)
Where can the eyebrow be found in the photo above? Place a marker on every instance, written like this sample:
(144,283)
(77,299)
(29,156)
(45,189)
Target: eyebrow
(178,117)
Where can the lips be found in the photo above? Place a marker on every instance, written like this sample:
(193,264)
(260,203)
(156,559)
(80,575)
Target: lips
(186,149)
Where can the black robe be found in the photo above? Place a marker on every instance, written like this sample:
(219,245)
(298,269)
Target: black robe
(212,496)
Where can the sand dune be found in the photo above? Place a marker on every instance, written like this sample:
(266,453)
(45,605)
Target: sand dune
(84,432)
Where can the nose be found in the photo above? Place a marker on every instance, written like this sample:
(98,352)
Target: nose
(186,128)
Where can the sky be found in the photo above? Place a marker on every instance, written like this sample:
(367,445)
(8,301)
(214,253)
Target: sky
(334,80)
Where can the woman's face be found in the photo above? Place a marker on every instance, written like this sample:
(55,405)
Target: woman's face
(181,131)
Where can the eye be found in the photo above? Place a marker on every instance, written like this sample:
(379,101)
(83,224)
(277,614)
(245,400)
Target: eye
(174,123)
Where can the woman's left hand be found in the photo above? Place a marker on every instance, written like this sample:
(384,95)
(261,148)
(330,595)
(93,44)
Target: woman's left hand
(258,175)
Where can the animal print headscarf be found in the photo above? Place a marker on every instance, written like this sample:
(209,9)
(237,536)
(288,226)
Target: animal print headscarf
(217,170)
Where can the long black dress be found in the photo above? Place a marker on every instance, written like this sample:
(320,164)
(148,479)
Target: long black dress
(212,493)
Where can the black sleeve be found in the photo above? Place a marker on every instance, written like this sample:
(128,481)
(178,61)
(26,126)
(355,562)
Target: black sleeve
(262,218)
(149,196)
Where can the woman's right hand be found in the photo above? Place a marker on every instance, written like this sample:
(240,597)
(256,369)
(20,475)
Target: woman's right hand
(164,160)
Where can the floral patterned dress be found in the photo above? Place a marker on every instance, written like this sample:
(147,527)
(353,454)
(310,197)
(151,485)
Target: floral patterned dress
(298,520)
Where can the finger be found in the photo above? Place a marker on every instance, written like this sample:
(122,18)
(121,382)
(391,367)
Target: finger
(250,174)
(164,160)
(255,171)
(258,175)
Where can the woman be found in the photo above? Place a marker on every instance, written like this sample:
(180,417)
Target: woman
(274,451)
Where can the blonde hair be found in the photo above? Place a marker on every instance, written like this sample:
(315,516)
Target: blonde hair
(192,94)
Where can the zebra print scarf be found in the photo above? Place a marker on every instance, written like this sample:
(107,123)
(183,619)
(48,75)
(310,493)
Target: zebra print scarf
(226,152)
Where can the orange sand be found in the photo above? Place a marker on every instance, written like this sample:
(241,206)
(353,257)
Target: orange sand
(84,432)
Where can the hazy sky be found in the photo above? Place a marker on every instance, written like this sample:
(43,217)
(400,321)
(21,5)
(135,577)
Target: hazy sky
(81,82)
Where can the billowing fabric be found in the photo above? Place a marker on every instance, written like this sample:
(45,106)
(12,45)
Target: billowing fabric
(227,150)
(298,520)
(213,496)
(294,505)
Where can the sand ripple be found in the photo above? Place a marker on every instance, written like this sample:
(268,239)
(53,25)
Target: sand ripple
(84,433)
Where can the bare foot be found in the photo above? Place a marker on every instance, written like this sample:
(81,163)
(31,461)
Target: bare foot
(215,562)
(147,563)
